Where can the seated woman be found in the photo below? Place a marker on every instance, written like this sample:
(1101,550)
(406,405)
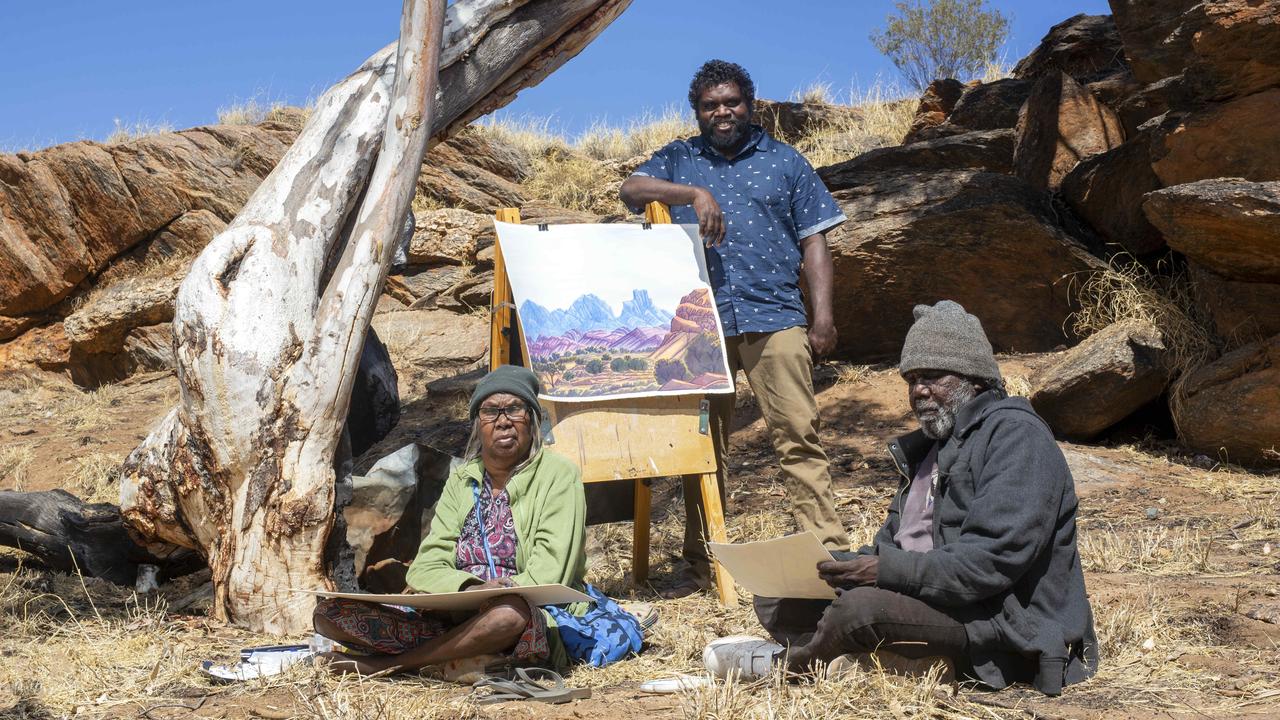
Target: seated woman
(510,514)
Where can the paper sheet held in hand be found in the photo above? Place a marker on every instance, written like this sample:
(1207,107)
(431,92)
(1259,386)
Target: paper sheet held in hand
(465,600)
(786,567)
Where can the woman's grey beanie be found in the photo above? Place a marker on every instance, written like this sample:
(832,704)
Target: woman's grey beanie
(512,379)
(945,337)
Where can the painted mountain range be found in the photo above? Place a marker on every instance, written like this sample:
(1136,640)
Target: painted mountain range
(589,313)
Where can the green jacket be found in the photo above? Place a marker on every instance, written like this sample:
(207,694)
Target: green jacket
(549,507)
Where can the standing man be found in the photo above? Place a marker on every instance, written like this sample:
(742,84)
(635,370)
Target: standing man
(762,212)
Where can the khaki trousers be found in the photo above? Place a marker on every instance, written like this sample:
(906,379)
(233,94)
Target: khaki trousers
(779,369)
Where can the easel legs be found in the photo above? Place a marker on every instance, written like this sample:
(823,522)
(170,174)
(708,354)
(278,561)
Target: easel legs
(715,532)
(640,534)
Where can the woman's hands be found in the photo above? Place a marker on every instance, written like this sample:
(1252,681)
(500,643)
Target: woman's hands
(502,582)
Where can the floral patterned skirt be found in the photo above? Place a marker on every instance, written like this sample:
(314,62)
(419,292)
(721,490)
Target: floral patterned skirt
(391,630)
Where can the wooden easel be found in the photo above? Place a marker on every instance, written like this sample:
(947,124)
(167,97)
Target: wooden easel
(635,439)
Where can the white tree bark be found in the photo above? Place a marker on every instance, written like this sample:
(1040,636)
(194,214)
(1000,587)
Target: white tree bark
(269,323)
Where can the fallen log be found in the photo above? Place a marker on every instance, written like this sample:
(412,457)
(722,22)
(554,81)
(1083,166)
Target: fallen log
(65,533)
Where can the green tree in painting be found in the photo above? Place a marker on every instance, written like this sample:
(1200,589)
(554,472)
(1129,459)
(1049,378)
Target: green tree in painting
(703,355)
(618,364)
(670,369)
(595,367)
(931,39)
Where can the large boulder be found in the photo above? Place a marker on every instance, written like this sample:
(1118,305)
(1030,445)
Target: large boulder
(433,338)
(990,106)
(1227,225)
(1226,48)
(1240,138)
(1107,190)
(1237,48)
(986,240)
(1061,124)
(1086,47)
(789,121)
(449,236)
(990,150)
(1230,408)
(1156,37)
(1102,380)
(1239,311)
(937,102)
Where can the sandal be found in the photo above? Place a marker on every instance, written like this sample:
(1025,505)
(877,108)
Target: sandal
(537,684)
(645,613)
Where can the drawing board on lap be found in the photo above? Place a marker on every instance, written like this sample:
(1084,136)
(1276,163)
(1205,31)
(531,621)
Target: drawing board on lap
(611,312)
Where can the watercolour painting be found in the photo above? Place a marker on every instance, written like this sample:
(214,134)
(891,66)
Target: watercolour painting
(615,311)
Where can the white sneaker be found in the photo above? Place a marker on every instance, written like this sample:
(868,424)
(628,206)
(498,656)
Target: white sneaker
(746,656)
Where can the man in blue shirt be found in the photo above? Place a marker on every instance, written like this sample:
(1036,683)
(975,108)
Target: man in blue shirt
(762,212)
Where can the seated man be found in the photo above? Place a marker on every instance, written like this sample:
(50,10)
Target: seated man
(510,514)
(976,563)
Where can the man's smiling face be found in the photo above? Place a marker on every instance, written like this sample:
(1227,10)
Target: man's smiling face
(724,117)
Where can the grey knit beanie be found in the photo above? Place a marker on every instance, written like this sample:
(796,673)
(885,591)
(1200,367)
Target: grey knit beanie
(513,379)
(945,337)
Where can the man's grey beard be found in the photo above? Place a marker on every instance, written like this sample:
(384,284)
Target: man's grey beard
(941,425)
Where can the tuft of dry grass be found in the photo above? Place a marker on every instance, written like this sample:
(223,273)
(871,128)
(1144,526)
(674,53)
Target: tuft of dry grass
(1018,386)
(1158,551)
(1128,292)
(14,461)
(95,477)
(124,132)
(851,374)
(245,112)
(815,92)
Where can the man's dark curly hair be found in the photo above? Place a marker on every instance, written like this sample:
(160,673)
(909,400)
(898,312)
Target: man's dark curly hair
(718,72)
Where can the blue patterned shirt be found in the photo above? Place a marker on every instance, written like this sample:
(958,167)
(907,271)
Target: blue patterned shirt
(771,199)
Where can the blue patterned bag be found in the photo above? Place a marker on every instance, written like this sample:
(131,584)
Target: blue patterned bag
(604,635)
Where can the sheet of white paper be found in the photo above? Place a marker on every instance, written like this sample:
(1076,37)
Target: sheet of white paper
(610,311)
(785,567)
(466,600)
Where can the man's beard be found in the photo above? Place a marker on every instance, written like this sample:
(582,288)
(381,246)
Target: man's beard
(725,144)
(941,419)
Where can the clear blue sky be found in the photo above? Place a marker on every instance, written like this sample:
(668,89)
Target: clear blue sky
(70,68)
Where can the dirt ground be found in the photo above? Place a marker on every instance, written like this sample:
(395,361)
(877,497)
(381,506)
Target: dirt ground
(1179,552)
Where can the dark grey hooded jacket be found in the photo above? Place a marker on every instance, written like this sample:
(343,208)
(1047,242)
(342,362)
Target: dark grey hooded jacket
(1004,535)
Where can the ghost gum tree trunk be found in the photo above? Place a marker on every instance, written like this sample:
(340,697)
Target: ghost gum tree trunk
(269,323)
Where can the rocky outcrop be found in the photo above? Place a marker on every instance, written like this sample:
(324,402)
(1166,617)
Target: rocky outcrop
(1107,191)
(1227,225)
(988,241)
(1061,124)
(1102,380)
(936,104)
(1085,47)
(989,150)
(67,211)
(1239,138)
(1231,408)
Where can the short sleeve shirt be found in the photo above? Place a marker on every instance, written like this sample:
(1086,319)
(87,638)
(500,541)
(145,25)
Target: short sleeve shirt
(772,199)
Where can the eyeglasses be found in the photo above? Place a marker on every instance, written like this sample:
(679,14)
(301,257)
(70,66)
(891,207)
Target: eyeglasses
(515,412)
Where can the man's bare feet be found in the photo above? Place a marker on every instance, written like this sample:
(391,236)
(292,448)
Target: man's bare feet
(341,663)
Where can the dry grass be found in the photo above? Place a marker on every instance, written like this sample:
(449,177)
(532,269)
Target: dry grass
(851,374)
(641,136)
(570,179)
(124,132)
(246,112)
(884,114)
(14,461)
(815,92)
(1128,292)
(1145,550)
